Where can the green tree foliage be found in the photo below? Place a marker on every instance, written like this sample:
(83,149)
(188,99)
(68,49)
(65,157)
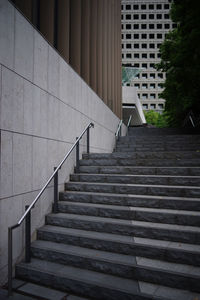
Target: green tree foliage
(156,119)
(180,59)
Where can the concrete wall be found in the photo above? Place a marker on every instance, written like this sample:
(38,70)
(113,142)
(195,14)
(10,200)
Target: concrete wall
(44,105)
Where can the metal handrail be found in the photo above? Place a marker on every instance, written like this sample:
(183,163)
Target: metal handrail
(119,128)
(27,213)
(129,122)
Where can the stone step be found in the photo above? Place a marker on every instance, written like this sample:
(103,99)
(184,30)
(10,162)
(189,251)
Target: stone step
(141,170)
(170,137)
(141,162)
(168,216)
(136,189)
(137,179)
(142,149)
(177,233)
(86,283)
(133,200)
(126,266)
(138,246)
(148,155)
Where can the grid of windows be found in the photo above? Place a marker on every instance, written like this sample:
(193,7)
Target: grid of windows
(145,25)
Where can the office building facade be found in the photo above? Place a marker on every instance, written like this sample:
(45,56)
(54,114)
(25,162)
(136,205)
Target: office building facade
(145,24)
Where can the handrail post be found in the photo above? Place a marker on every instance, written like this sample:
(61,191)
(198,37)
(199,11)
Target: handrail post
(55,205)
(9,261)
(77,157)
(28,236)
(88,140)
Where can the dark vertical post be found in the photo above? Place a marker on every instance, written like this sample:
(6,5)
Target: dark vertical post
(88,140)
(55,206)
(9,261)
(28,236)
(77,157)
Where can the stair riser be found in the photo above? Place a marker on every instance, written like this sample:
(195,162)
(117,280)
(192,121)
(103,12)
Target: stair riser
(139,155)
(140,231)
(126,201)
(130,215)
(141,162)
(141,171)
(144,149)
(136,190)
(147,251)
(75,286)
(132,272)
(136,180)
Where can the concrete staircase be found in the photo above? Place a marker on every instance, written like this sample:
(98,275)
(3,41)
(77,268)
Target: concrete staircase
(128,225)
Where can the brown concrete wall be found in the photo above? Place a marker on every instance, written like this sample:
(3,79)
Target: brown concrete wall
(87,33)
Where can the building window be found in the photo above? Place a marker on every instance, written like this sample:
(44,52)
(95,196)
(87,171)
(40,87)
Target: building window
(152,106)
(159,26)
(166,16)
(144,96)
(160,105)
(128,36)
(136,55)
(152,46)
(152,66)
(167,26)
(128,7)
(144,55)
(151,55)
(144,86)
(158,55)
(159,16)
(122,55)
(122,26)
(128,26)
(135,6)
(159,35)
(152,86)
(128,17)
(158,46)
(144,36)
(122,46)
(144,66)
(122,17)
(152,96)
(160,75)
(136,65)
(160,86)
(144,75)
(136,36)
(151,16)
(136,26)
(143,17)
(137,85)
(166,6)
(151,6)
(135,17)
(151,36)
(136,46)
(143,26)
(128,55)
(151,26)
(143,6)
(144,46)
(174,25)
(152,76)
(145,106)
(159,6)
(128,46)
(138,96)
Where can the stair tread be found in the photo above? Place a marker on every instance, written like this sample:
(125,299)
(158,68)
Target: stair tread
(126,222)
(133,208)
(132,184)
(135,176)
(117,258)
(122,238)
(133,196)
